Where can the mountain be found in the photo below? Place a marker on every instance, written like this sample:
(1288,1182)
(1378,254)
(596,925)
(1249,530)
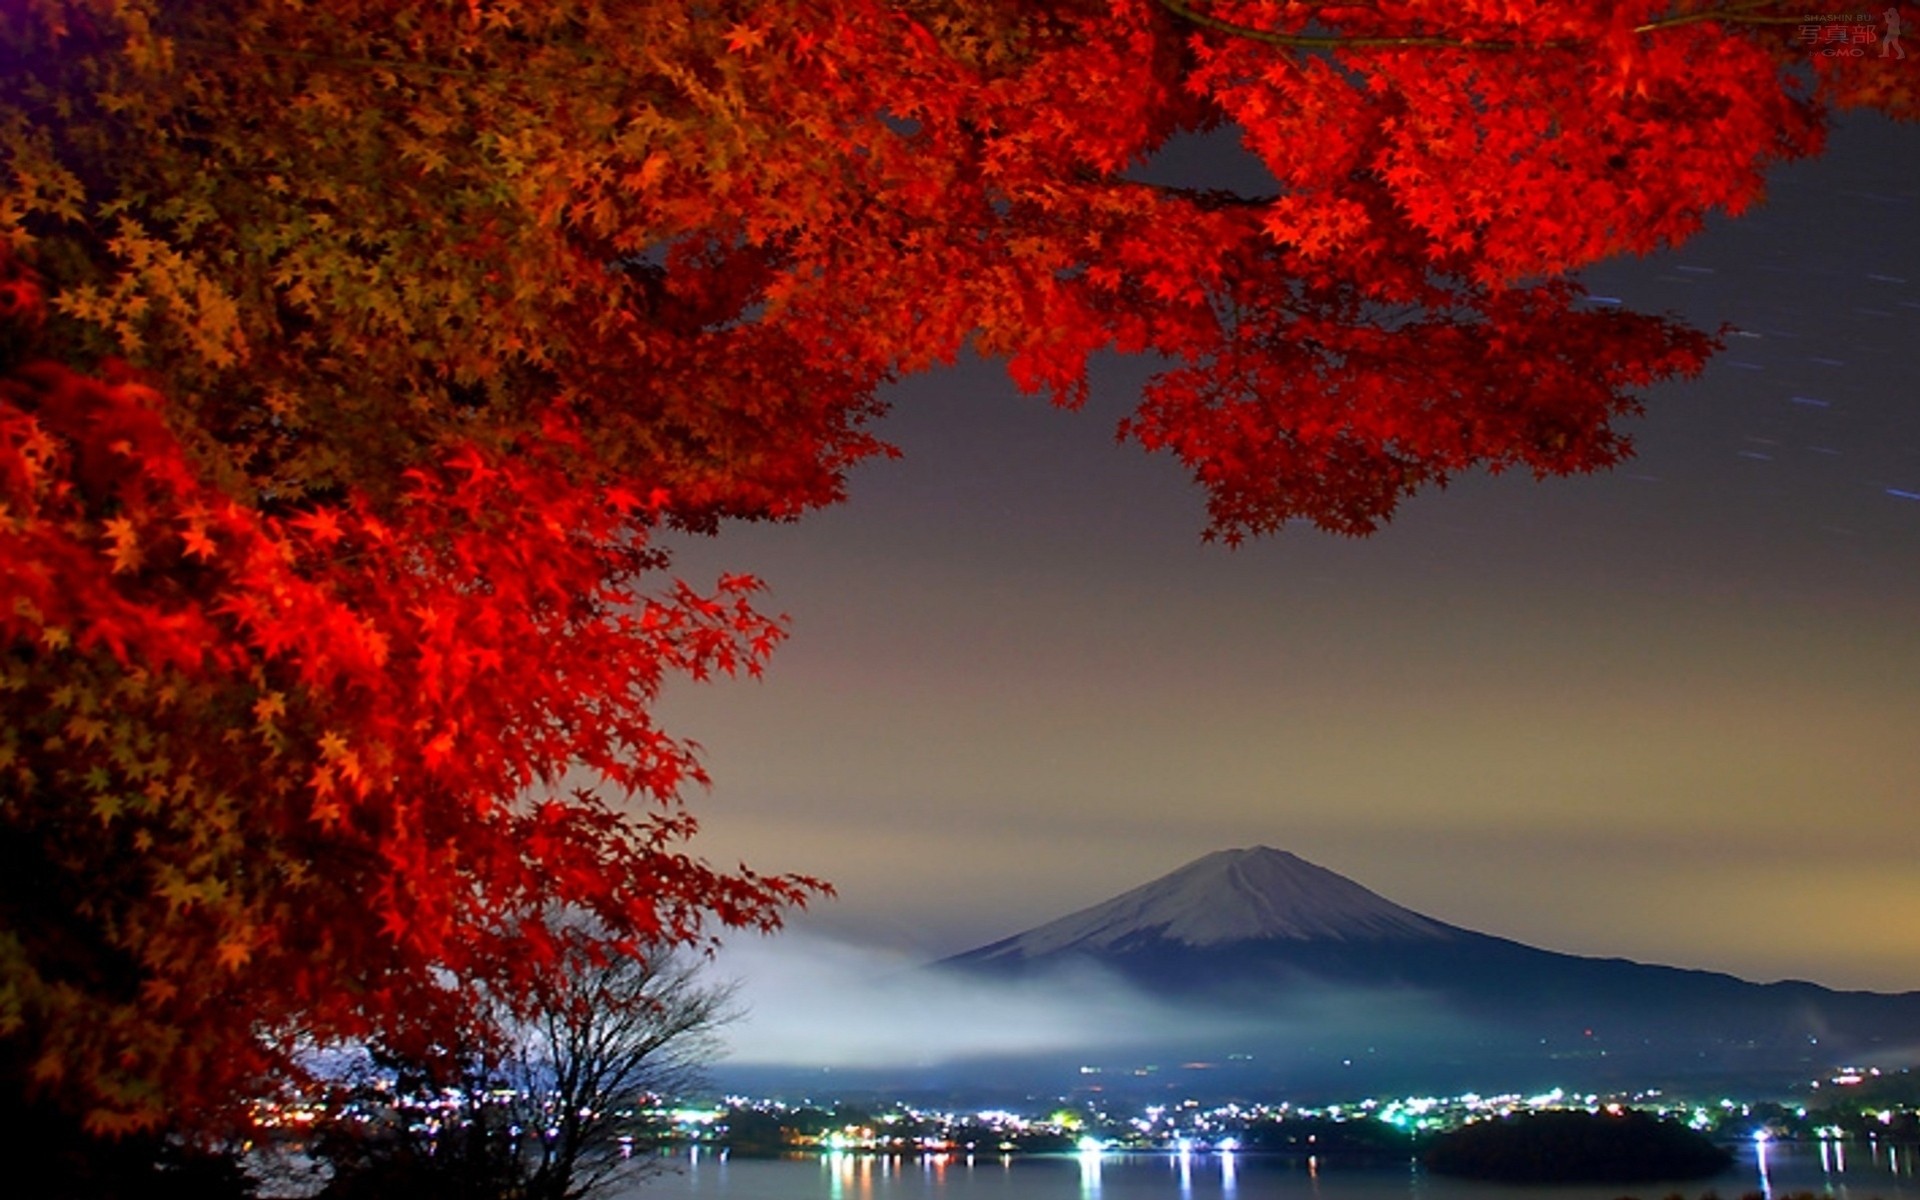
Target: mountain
(1225,898)
(1286,955)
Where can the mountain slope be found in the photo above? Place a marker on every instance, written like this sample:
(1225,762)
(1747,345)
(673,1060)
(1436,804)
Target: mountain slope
(1260,934)
(1226,897)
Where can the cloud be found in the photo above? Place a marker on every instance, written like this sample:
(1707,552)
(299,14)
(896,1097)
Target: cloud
(814,1001)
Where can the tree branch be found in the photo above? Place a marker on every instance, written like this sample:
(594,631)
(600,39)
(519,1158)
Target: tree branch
(1741,13)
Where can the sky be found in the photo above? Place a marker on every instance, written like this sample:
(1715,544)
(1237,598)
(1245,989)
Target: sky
(1669,713)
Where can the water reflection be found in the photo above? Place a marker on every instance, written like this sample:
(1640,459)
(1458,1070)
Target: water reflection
(852,1176)
(1894,1160)
(1860,1170)
(1189,1167)
(1090,1172)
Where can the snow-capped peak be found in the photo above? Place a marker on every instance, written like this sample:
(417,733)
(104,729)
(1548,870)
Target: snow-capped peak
(1229,896)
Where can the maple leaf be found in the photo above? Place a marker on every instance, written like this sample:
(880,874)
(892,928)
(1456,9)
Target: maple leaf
(123,543)
(745,39)
(86,730)
(439,748)
(234,951)
(269,708)
(321,525)
(197,544)
(177,891)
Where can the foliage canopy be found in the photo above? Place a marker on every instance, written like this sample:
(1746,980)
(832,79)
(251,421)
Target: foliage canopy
(379,338)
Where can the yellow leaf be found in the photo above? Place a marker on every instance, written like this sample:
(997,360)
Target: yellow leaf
(177,892)
(270,708)
(87,729)
(125,548)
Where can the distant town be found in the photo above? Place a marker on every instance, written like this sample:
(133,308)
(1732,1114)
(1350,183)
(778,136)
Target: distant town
(1849,1105)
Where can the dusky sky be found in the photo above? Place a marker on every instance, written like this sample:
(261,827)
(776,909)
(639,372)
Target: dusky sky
(1671,712)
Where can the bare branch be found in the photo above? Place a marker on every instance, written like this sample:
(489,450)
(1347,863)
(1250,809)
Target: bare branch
(1746,12)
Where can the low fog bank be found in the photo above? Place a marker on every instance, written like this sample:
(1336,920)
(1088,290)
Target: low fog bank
(814,1001)
(826,1017)
(826,1012)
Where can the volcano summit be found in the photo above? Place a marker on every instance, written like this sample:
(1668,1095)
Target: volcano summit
(1226,898)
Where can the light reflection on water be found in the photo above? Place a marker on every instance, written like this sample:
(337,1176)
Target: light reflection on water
(1090,1173)
(1842,1170)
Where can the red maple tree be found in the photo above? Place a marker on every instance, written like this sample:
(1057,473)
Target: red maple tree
(324,770)
(381,337)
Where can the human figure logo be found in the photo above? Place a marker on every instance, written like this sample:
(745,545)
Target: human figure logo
(1890,41)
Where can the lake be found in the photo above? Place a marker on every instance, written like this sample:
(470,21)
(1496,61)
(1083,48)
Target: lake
(1847,1171)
